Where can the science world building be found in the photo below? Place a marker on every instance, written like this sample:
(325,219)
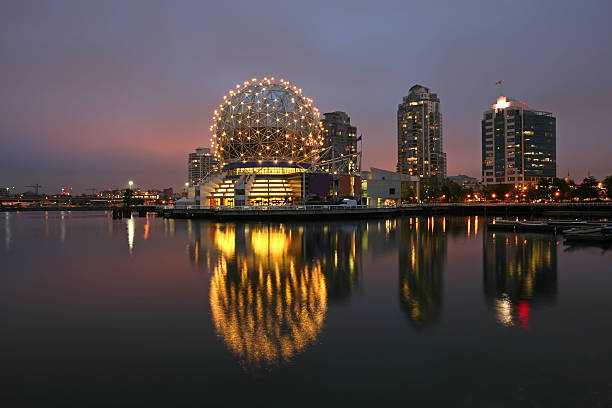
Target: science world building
(269,144)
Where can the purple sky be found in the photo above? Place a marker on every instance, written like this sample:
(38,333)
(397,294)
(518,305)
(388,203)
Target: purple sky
(94,93)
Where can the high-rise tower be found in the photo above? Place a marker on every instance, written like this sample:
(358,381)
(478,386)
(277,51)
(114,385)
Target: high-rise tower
(199,165)
(518,143)
(342,137)
(419,135)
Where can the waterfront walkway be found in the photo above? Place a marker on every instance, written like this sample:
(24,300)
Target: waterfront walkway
(572,210)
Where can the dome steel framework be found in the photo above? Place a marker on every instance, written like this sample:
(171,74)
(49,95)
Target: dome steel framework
(266,120)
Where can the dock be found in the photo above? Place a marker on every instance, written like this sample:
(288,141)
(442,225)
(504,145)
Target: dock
(587,210)
(306,212)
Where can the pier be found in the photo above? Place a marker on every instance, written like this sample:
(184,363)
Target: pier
(582,210)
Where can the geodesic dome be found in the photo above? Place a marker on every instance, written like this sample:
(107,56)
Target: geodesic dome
(263,120)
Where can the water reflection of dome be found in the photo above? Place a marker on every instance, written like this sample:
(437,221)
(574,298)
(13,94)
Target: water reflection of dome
(267,316)
(267,303)
(271,283)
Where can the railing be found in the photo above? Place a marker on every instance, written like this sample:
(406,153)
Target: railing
(344,207)
(503,204)
(255,208)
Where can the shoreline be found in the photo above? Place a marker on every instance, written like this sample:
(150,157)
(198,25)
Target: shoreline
(572,210)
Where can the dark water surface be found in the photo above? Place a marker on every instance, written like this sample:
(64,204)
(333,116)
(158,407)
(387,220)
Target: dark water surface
(405,311)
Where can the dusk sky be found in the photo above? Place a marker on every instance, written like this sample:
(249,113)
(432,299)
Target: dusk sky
(95,93)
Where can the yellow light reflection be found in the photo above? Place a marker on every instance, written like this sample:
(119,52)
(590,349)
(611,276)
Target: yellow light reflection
(131,229)
(147,226)
(225,240)
(269,242)
(266,317)
(468,226)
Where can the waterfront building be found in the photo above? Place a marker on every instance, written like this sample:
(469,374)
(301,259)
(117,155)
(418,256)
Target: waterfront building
(384,187)
(467,182)
(200,164)
(341,137)
(419,135)
(518,143)
(148,197)
(269,145)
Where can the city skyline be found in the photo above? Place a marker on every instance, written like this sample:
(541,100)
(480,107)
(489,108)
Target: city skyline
(99,94)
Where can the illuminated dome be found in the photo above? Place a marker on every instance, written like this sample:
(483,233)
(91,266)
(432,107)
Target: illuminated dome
(266,120)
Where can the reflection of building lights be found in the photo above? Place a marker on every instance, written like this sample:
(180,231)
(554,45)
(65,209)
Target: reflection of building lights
(267,317)
(7,230)
(503,310)
(146,228)
(523,314)
(468,226)
(225,240)
(131,229)
(269,242)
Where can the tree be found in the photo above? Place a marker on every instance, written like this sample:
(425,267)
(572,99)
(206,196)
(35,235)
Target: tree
(431,188)
(408,193)
(608,184)
(587,190)
(455,191)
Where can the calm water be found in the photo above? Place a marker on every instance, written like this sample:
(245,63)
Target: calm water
(410,311)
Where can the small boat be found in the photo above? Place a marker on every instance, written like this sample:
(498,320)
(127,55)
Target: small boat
(600,237)
(589,230)
(503,224)
(535,226)
(566,224)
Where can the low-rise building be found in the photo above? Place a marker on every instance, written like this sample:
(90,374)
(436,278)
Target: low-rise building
(467,182)
(384,187)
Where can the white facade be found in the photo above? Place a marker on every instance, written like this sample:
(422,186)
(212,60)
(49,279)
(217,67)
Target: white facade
(383,186)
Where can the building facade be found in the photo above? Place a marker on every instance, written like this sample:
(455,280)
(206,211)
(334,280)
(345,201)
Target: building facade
(518,144)
(419,135)
(384,187)
(341,136)
(199,165)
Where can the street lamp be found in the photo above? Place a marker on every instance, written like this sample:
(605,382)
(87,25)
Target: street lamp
(131,183)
